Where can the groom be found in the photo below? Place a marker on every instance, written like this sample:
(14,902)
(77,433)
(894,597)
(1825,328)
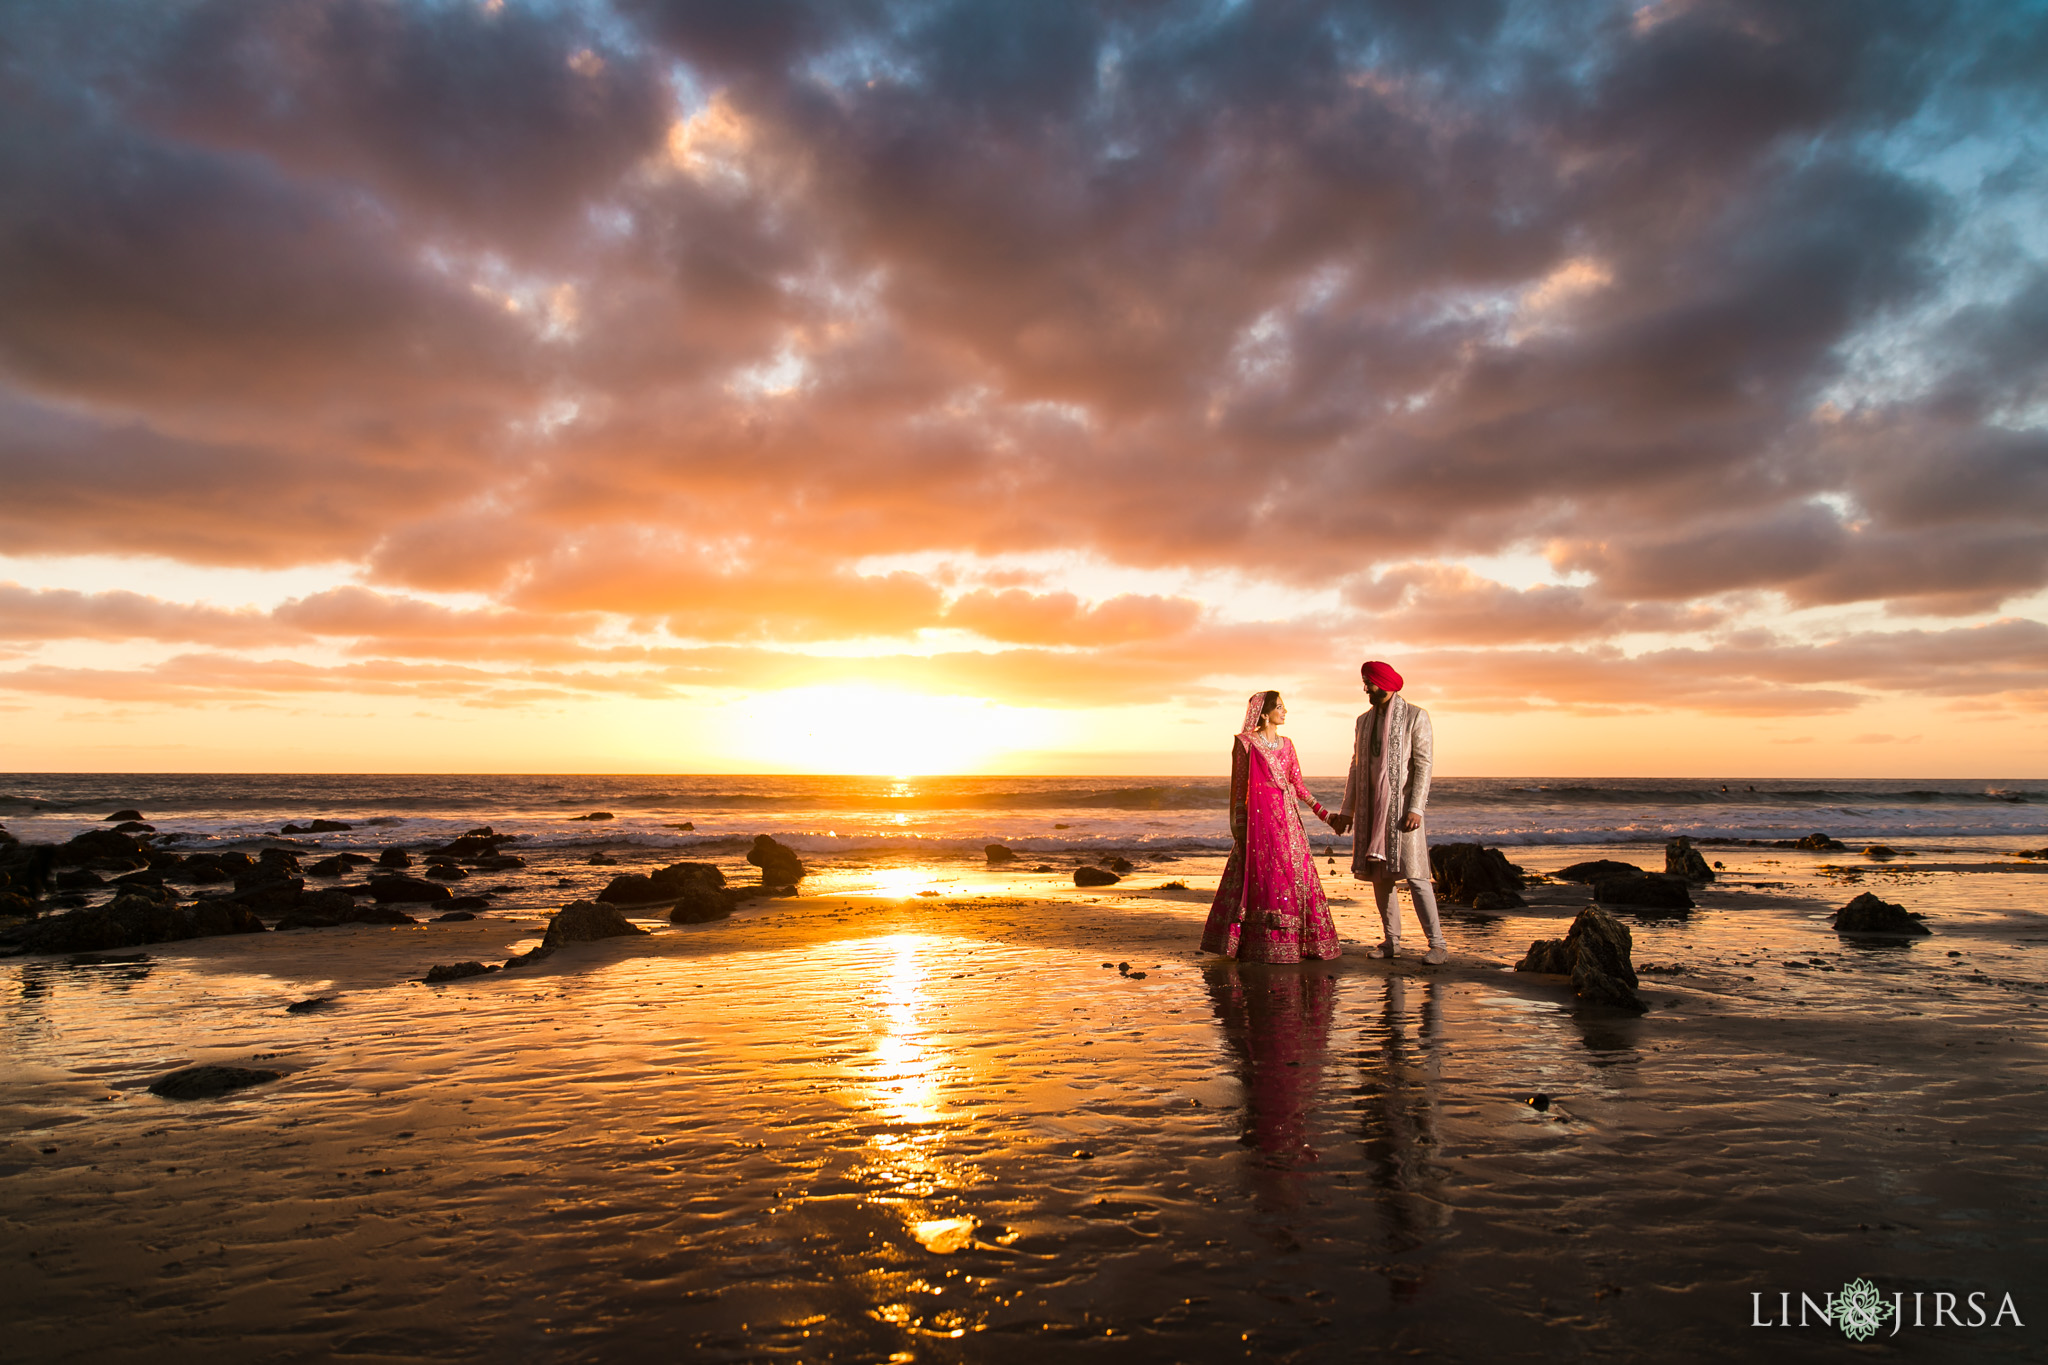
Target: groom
(1385,796)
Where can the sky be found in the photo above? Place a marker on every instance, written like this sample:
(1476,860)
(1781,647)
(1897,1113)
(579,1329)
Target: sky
(848,385)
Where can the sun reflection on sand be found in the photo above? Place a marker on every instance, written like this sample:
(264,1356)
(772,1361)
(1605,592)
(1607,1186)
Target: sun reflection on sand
(903,1080)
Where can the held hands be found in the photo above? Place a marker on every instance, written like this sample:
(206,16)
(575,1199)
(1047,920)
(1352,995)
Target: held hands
(1339,823)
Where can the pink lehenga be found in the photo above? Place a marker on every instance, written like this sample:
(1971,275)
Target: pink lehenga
(1270,905)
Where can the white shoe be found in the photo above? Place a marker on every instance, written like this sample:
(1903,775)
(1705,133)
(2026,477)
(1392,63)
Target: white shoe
(1384,950)
(1437,954)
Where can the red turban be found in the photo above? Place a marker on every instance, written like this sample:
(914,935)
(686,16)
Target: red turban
(1381,675)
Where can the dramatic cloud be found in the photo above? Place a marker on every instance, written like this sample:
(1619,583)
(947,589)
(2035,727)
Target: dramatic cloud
(650,322)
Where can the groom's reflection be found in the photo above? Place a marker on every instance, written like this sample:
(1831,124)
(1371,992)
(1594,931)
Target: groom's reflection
(1398,1080)
(1276,1020)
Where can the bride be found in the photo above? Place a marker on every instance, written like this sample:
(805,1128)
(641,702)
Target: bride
(1270,907)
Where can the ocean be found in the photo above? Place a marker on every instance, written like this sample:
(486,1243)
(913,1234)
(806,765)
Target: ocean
(944,817)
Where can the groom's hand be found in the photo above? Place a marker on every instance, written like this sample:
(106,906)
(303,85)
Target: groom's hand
(1340,823)
(1411,821)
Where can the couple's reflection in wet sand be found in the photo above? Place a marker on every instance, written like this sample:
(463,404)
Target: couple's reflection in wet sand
(1277,1022)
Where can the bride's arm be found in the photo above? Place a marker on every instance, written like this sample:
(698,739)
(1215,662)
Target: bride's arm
(1301,783)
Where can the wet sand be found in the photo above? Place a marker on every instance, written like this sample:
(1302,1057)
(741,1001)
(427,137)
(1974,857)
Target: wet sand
(871,1125)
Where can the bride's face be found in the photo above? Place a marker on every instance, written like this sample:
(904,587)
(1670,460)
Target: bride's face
(1278,715)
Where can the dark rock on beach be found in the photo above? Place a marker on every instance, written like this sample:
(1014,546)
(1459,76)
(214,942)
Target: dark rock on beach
(1681,859)
(778,863)
(1599,870)
(29,869)
(455,917)
(134,827)
(405,890)
(1117,863)
(455,971)
(477,843)
(99,843)
(997,853)
(205,1082)
(585,921)
(118,816)
(446,872)
(1880,852)
(1597,953)
(394,857)
(132,920)
(1869,915)
(1465,872)
(1816,841)
(1644,892)
(1094,876)
(594,815)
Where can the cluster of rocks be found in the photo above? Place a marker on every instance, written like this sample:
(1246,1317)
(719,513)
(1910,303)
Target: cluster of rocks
(1816,842)
(1624,885)
(1597,953)
(697,892)
(1474,875)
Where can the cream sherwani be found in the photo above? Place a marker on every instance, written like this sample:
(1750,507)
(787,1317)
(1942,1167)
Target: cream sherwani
(1407,748)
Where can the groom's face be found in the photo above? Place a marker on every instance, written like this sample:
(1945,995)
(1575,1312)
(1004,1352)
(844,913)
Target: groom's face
(1379,695)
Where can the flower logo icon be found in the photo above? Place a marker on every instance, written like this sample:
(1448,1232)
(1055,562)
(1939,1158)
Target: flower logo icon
(1860,1310)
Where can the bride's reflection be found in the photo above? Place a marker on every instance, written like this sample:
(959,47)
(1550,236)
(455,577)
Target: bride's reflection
(1276,1020)
(1399,1078)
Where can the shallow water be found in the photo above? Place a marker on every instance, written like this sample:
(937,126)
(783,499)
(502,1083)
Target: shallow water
(943,1130)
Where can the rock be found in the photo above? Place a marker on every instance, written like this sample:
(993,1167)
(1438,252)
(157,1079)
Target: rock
(98,843)
(478,843)
(1596,951)
(303,919)
(1881,852)
(337,866)
(1819,841)
(308,1005)
(121,815)
(205,1082)
(1494,900)
(1045,867)
(77,880)
(1094,876)
(28,869)
(686,825)
(1681,859)
(267,896)
(1644,891)
(996,853)
(330,827)
(594,815)
(1117,863)
(1599,870)
(214,918)
(205,874)
(455,971)
(275,862)
(446,872)
(1463,872)
(405,890)
(331,901)
(778,863)
(455,917)
(500,862)
(376,914)
(133,919)
(134,827)
(687,881)
(459,904)
(394,857)
(1869,915)
(583,921)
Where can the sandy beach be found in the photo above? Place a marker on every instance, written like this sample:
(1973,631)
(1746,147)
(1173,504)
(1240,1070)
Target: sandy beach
(941,1112)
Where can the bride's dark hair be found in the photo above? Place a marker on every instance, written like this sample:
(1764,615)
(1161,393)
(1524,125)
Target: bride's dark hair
(1266,707)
